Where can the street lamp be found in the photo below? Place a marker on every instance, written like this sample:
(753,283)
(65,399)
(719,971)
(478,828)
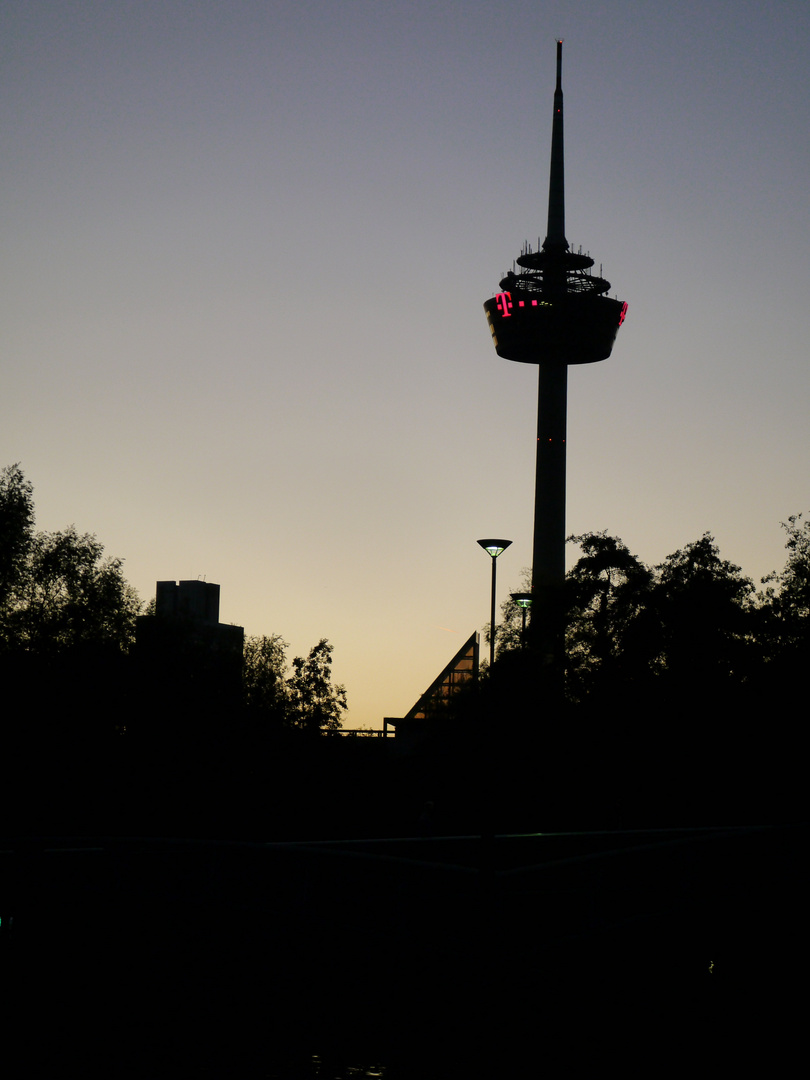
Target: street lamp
(493,548)
(524,602)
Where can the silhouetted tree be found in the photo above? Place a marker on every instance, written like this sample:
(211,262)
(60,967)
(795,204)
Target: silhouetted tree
(264,679)
(788,592)
(692,618)
(316,704)
(607,593)
(57,591)
(784,612)
(794,581)
(305,699)
(16,529)
(702,623)
(73,596)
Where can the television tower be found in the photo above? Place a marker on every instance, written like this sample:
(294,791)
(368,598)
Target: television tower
(552,312)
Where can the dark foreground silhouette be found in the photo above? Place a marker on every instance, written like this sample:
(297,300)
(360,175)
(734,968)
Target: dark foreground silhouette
(233,907)
(442,957)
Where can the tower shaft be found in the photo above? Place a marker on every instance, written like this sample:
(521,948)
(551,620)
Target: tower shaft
(547,626)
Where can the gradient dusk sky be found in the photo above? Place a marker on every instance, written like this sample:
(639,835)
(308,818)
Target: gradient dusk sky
(246,246)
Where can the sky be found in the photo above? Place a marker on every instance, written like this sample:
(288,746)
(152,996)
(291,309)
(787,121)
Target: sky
(245,249)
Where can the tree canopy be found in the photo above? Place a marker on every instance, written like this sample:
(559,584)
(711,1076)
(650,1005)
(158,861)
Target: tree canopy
(57,589)
(16,528)
(304,699)
(606,593)
(694,623)
(264,669)
(788,592)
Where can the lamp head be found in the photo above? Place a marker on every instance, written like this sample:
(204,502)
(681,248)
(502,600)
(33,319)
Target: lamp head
(522,599)
(494,547)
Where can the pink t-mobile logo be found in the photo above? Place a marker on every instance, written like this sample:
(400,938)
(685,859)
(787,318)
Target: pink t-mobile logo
(504,302)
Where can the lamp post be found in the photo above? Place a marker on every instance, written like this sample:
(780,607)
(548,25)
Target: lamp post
(524,602)
(494,549)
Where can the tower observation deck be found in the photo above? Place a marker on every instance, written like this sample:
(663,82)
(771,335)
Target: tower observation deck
(552,312)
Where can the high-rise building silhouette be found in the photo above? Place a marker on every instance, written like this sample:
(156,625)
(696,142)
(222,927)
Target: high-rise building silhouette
(552,312)
(189,663)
